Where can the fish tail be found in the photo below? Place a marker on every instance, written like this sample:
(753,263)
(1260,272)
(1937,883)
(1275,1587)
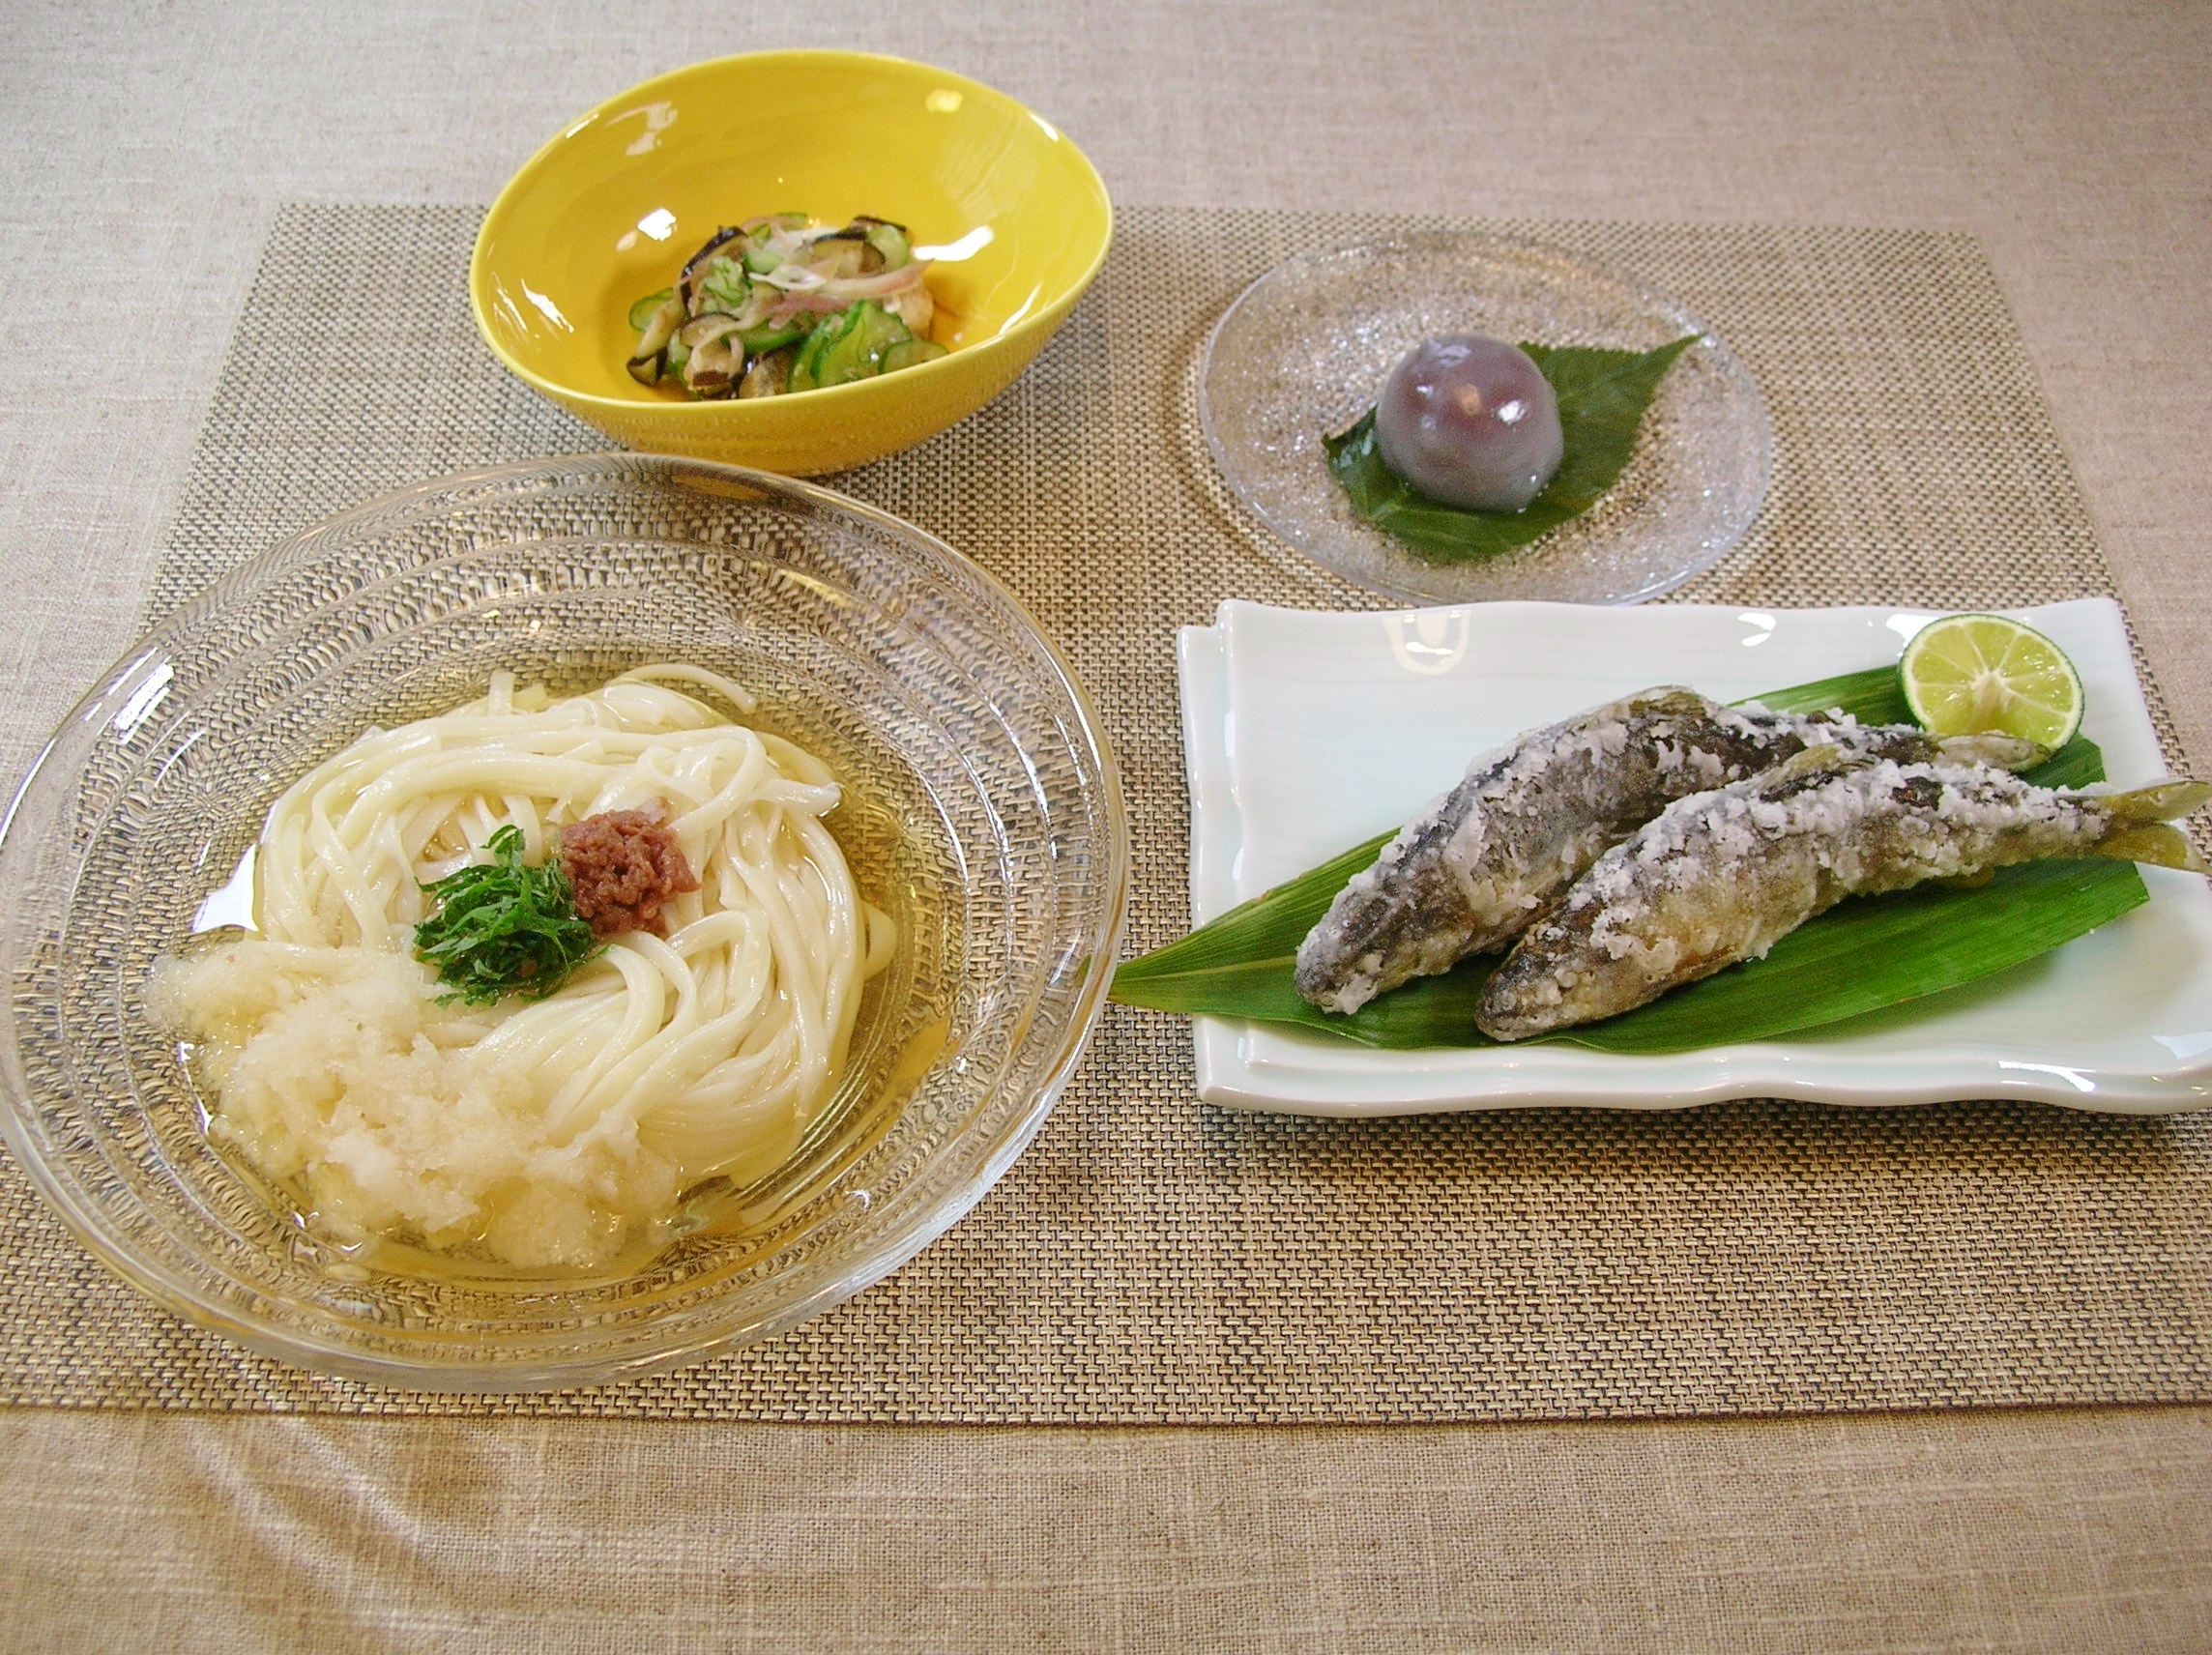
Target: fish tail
(2142,829)
(2161,801)
(2159,843)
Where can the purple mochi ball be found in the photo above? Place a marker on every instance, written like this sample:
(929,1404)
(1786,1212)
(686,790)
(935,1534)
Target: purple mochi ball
(1471,422)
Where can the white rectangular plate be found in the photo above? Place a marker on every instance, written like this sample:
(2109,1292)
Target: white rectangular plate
(1305,733)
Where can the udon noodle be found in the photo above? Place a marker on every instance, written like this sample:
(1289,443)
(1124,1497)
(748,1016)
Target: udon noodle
(561,1131)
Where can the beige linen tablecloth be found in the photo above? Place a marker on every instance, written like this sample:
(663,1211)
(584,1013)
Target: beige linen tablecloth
(2062,137)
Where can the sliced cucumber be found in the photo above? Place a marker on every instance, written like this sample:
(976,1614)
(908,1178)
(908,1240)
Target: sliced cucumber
(806,368)
(642,312)
(766,338)
(885,331)
(910,353)
(759,256)
(857,352)
(887,238)
(861,347)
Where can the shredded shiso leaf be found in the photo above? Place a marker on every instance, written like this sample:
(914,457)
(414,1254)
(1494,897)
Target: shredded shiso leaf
(1858,958)
(1603,397)
(502,928)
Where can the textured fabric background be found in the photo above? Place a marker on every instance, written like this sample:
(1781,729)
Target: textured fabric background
(1921,1533)
(150,146)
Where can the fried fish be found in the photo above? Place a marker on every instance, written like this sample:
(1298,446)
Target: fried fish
(1723,876)
(1498,852)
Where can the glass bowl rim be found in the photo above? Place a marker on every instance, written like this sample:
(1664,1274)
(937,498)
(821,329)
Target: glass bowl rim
(1406,585)
(267,1332)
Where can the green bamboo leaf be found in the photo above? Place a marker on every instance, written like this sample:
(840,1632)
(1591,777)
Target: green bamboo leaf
(1269,927)
(1872,697)
(1854,959)
(1603,395)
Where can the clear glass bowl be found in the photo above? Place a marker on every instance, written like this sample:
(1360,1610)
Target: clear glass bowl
(982,807)
(1304,351)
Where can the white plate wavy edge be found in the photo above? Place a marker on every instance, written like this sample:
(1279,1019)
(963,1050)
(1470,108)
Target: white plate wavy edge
(1305,732)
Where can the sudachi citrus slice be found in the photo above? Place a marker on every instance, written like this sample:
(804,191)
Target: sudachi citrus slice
(1966,675)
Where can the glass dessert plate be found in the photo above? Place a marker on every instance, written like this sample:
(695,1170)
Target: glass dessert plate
(1305,349)
(1307,733)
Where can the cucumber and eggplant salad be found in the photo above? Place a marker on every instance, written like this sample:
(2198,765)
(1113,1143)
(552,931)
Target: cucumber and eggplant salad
(779,303)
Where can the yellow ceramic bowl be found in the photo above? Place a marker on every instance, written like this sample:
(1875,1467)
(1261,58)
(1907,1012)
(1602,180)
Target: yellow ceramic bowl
(1015,217)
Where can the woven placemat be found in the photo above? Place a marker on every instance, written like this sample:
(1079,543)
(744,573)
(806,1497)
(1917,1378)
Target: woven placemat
(1152,1259)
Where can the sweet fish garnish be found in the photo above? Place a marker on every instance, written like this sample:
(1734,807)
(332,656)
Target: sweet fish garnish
(1497,852)
(1723,876)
